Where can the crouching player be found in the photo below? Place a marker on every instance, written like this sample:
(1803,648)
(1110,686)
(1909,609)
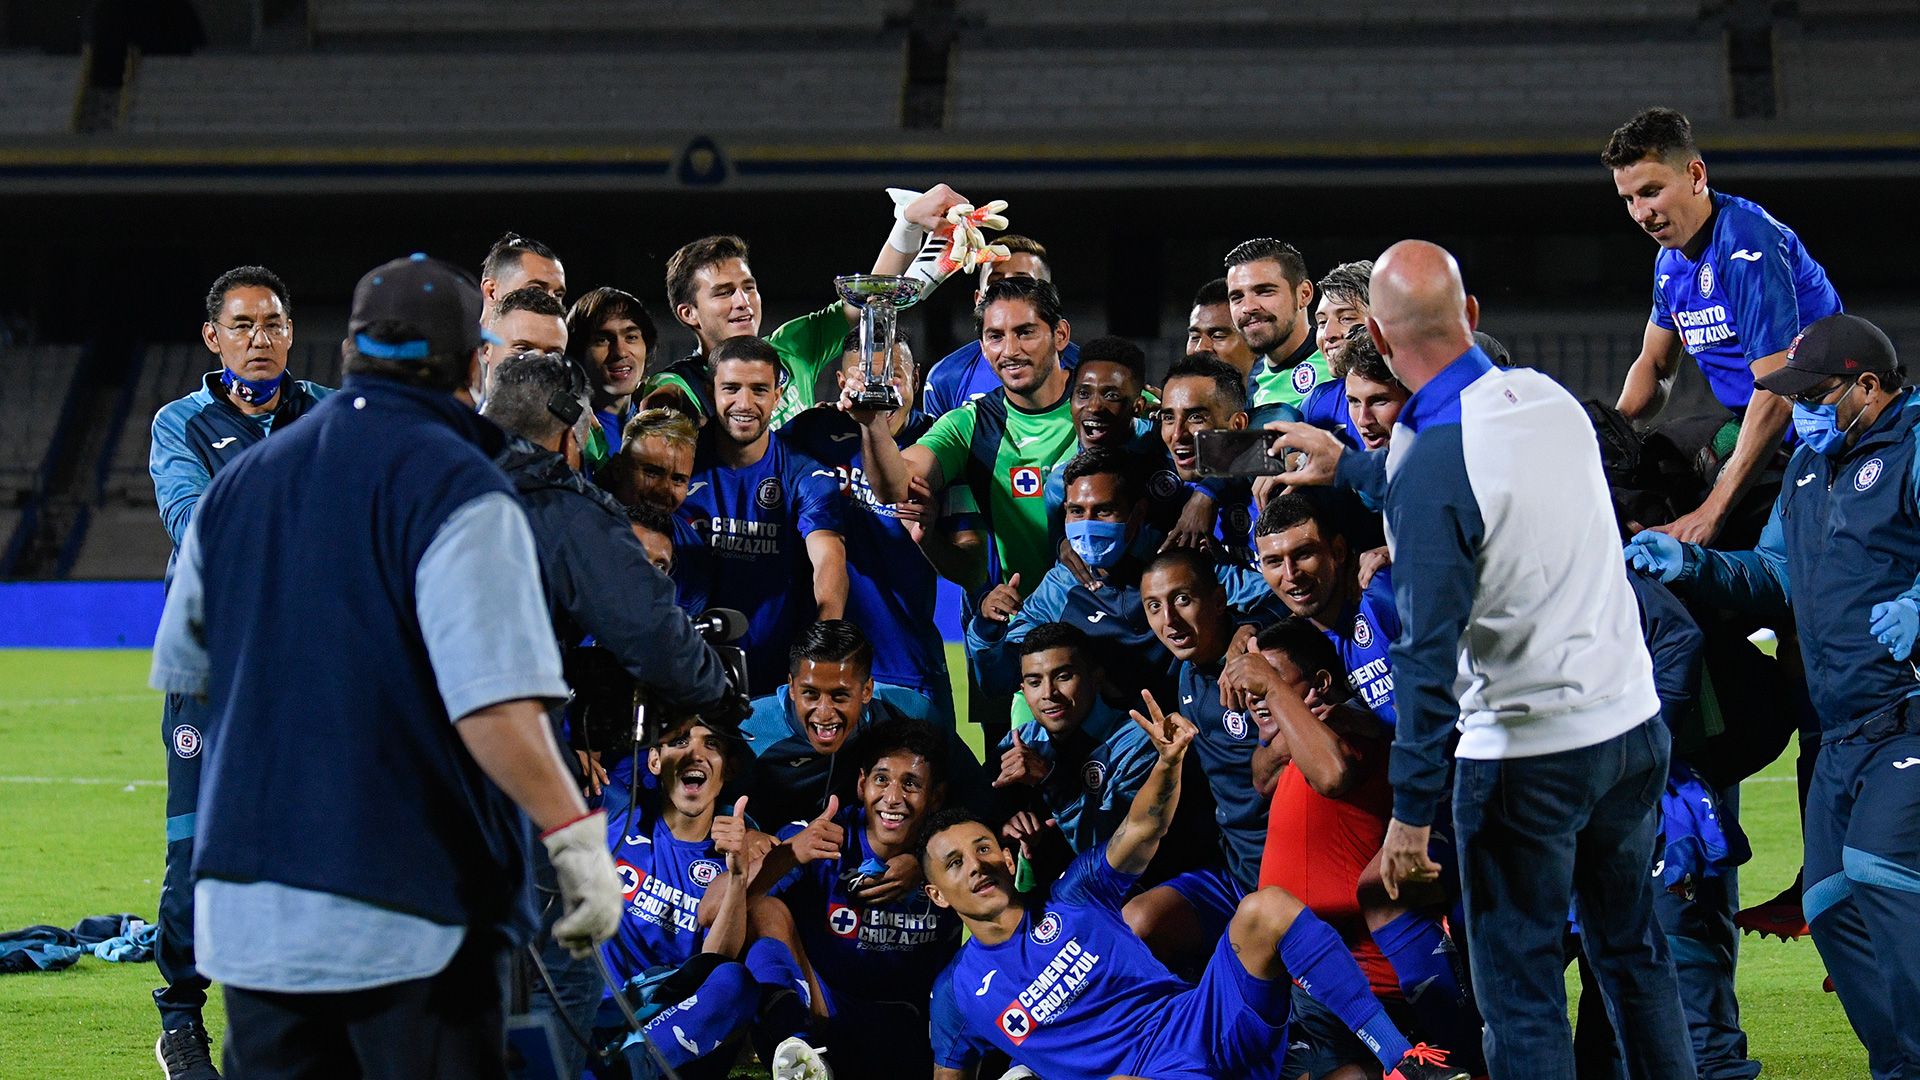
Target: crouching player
(874,945)
(684,870)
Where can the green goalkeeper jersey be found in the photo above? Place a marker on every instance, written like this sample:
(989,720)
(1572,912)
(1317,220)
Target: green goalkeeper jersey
(808,346)
(1003,455)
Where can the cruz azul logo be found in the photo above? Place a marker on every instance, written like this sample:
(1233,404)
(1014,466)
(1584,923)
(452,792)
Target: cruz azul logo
(1304,376)
(1706,280)
(1362,631)
(1235,722)
(1026,482)
(1047,930)
(1094,776)
(1868,473)
(186,741)
(630,877)
(703,871)
(1051,992)
(842,920)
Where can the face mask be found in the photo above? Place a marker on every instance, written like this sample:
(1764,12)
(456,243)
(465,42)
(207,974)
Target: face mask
(1818,426)
(252,391)
(1098,543)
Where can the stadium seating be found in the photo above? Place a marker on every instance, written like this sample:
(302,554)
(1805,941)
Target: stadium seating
(39,379)
(1881,81)
(1085,14)
(660,92)
(37,93)
(123,543)
(331,18)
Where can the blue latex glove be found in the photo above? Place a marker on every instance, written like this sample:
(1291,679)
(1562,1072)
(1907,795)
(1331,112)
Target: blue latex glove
(1657,554)
(1895,624)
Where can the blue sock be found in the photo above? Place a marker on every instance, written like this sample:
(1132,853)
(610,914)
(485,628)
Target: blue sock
(689,1030)
(1423,958)
(1318,960)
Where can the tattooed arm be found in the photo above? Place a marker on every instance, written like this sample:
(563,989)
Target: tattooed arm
(1138,837)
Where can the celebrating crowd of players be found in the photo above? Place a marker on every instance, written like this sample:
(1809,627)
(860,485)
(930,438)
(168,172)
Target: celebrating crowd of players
(1187,852)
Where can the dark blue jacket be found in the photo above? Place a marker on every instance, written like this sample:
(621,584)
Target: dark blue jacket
(1844,536)
(349,779)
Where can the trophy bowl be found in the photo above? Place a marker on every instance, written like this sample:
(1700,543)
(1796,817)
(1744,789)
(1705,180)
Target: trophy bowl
(880,298)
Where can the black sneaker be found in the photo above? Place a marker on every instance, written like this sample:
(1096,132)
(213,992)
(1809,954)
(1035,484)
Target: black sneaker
(184,1053)
(1425,1062)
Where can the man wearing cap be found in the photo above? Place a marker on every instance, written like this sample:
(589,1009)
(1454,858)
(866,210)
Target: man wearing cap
(361,861)
(1843,546)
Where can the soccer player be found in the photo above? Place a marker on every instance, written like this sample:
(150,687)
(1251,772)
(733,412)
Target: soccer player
(890,583)
(1203,393)
(966,374)
(875,960)
(768,517)
(610,335)
(1733,288)
(1374,394)
(1839,545)
(830,697)
(713,292)
(527,319)
(1210,329)
(1271,298)
(654,528)
(1078,995)
(1341,312)
(249,329)
(516,262)
(655,462)
(1083,758)
(1304,556)
(1328,817)
(684,870)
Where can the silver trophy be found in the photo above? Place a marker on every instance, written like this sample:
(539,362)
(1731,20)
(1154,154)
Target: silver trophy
(880,298)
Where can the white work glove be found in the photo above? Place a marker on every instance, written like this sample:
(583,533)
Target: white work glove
(590,895)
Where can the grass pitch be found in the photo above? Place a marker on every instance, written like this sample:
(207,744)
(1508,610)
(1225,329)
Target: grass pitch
(83,798)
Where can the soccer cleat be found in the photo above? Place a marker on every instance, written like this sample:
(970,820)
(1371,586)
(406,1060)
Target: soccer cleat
(1019,1072)
(184,1053)
(1425,1062)
(795,1059)
(1781,916)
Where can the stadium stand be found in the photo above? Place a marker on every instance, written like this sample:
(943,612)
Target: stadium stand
(37,93)
(1881,80)
(39,381)
(1390,85)
(349,18)
(1085,14)
(634,91)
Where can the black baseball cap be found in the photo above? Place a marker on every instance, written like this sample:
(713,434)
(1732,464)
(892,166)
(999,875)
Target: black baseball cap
(416,307)
(1838,345)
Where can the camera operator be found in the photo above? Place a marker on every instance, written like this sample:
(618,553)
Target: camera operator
(600,582)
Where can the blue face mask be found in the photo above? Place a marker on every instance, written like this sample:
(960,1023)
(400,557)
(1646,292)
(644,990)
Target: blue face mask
(252,391)
(1819,426)
(1098,543)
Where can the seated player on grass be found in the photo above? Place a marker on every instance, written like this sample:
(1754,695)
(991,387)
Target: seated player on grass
(684,869)
(875,959)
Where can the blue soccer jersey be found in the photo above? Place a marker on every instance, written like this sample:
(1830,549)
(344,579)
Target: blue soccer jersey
(753,522)
(1167,494)
(1225,746)
(964,374)
(1072,994)
(1362,643)
(1748,296)
(890,584)
(663,879)
(888,952)
(1326,408)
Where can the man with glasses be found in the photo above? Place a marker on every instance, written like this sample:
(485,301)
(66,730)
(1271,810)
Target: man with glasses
(1840,545)
(249,328)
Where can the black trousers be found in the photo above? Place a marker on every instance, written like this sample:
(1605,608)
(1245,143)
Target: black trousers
(450,1025)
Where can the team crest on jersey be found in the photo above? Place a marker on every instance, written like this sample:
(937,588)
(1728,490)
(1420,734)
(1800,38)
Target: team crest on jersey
(1026,481)
(1015,1023)
(843,921)
(1706,280)
(703,871)
(769,494)
(1868,473)
(1046,929)
(1235,722)
(1164,484)
(1304,376)
(1362,631)
(630,877)
(186,741)
(1094,776)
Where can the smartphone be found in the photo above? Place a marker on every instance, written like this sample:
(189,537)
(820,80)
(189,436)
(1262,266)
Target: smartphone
(1236,452)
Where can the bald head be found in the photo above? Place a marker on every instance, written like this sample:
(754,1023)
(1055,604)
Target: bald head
(1421,316)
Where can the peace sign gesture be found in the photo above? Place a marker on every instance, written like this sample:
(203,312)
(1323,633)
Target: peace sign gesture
(1171,733)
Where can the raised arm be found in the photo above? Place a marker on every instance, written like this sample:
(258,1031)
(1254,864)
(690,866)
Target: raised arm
(1135,843)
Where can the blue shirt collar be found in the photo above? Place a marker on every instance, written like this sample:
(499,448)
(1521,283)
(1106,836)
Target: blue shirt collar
(1439,400)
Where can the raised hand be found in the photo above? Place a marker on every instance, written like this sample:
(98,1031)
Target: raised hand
(1022,764)
(1024,828)
(1170,733)
(902,877)
(1003,602)
(823,838)
(730,836)
(1246,678)
(1318,458)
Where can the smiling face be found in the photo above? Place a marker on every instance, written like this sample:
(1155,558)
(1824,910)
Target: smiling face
(726,303)
(252,334)
(744,392)
(968,871)
(1336,314)
(898,794)
(1668,202)
(828,697)
(1104,399)
(1374,407)
(1189,405)
(1058,688)
(618,352)
(1188,614)
(691,763)
(1302,568)
(1023,350)
(658,472)
(1266,306)
(1210,329)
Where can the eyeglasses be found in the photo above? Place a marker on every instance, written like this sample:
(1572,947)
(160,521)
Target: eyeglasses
(245,331)
(1813,398)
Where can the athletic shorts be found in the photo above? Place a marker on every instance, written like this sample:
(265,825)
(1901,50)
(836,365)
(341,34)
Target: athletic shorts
(1213,893)
(1230,1024)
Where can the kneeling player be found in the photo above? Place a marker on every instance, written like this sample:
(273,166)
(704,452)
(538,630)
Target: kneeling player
(684,871)
(875,947)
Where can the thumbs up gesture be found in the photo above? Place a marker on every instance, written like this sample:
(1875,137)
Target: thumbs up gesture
(1000,604)
(729,835)
(1021,764)
(823,838)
